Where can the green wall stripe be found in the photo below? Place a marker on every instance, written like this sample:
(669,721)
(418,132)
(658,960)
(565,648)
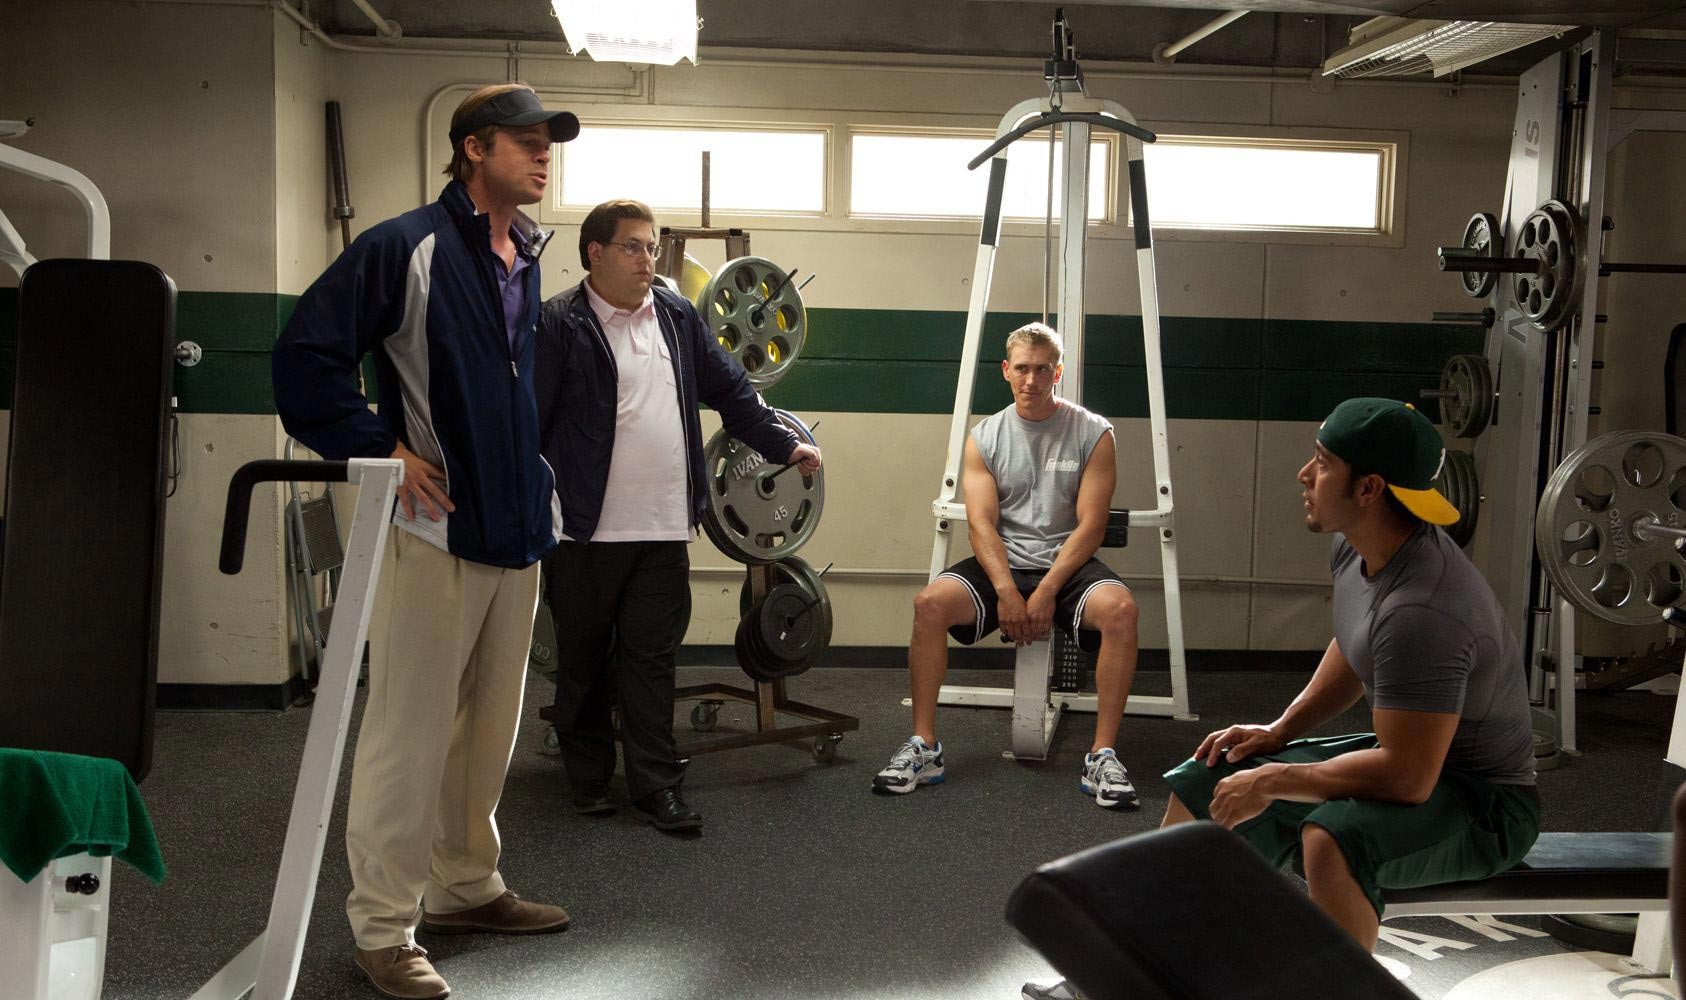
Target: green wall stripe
(904,360)
(937,335)
(1400,348)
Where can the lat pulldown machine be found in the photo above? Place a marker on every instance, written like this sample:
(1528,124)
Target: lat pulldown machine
(1036,706)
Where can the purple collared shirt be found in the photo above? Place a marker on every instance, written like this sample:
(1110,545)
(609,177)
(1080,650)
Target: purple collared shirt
(512,291)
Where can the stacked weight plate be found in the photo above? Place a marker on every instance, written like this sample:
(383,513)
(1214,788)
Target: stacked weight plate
(1609,526)
(1457,482)
(756,313)
(760,512)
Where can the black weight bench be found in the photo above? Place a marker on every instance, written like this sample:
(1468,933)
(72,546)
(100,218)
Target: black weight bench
(1193,913)
(1190,912)
(1564,873)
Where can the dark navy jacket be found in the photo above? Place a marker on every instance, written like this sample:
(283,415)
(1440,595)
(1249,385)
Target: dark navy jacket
(419,292)
(577,390)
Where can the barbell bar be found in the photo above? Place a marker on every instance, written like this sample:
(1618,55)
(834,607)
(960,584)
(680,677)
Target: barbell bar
(1648,527)
(1459,259)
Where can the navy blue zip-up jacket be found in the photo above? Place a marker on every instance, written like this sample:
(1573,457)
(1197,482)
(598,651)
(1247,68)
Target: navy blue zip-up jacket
(420,293)
(577,390)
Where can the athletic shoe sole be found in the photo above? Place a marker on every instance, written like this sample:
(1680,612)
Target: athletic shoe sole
(925,778)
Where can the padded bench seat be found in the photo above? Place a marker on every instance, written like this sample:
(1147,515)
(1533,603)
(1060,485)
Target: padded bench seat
(1564,873)
(1190,912)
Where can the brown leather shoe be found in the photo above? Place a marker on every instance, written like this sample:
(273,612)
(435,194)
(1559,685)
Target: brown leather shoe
(404,972)
(508,914)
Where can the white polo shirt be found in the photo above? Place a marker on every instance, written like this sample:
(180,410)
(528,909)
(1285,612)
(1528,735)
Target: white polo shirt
(647,498)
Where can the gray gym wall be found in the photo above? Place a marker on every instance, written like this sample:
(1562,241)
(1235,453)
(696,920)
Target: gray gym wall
(203,127)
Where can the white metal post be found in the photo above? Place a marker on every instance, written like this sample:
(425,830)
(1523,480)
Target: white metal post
(1074,221)
(26,913)
(272,960)
(1158,421)
(946,508)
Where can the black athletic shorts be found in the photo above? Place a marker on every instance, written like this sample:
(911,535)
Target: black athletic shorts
(1068,606)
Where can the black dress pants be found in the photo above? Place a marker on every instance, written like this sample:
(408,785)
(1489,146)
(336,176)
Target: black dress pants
(621,610)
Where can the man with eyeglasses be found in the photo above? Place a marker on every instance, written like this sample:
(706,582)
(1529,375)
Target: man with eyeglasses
(622,364)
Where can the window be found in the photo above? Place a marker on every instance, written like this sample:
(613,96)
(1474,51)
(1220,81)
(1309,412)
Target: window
(773,171)
(898,173)
(923,176)
(1267,184)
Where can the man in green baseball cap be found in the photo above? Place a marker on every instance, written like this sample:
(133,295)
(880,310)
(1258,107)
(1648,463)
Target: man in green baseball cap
(1392,440)
(1421,638)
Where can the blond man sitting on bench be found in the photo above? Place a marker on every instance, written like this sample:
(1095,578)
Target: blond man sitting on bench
(1038,480)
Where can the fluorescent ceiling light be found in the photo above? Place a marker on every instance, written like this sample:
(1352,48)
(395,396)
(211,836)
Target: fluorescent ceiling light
(658,32)
(1399,46)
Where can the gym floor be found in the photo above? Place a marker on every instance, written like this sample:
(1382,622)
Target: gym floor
(803,884)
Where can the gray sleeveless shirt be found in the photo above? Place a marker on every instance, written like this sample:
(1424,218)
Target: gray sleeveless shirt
(1037,467)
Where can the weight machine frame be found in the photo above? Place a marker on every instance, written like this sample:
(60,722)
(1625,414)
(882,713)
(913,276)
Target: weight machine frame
(1037,708)
(268,967)
(87,194)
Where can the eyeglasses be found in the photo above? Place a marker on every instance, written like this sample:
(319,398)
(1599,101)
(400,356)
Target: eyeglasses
(632,248)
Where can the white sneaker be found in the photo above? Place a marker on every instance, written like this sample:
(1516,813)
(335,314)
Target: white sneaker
(913,765)
(1105,778)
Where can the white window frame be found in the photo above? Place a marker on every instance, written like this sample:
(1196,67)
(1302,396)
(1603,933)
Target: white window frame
(1393,148)
(840,126)
(555,210)
(984,136)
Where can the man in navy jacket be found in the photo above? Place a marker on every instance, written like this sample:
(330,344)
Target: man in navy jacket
(622,364)
(445,299)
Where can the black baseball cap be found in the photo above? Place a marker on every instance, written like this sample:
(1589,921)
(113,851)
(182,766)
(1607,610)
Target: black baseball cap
(516,108)
(1394,441)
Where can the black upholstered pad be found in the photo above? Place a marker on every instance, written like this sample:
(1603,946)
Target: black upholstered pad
(79,579)
(1567,866)
(1190,913)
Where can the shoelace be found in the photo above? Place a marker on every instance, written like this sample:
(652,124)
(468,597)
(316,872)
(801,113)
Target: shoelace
(1111,771)
(908,754)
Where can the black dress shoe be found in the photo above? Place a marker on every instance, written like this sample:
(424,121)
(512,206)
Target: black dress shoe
(593,798)
(665,810)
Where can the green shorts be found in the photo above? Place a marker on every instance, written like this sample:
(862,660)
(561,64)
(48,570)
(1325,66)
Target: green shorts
(1469,828)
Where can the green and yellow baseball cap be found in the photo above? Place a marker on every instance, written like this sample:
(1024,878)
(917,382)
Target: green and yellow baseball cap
(1392,440)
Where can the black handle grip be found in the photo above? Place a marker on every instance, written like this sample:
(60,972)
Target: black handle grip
(1048,118)
(240,498)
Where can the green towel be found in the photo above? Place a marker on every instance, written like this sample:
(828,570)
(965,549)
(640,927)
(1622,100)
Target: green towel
(56,804)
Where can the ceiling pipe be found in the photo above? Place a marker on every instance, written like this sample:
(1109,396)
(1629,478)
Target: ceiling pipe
(385,30)
(1165,53)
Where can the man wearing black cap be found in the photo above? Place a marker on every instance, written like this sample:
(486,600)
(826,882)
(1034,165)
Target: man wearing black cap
(1443,790)
(445,299)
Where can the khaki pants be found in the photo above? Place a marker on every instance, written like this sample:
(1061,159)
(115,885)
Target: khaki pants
(448,642)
